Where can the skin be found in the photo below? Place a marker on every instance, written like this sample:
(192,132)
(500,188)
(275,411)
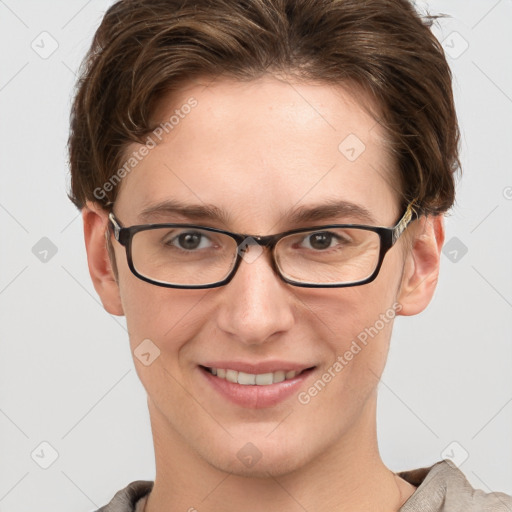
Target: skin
(258,149)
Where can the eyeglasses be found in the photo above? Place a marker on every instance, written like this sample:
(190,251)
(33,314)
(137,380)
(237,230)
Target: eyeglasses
(191,256)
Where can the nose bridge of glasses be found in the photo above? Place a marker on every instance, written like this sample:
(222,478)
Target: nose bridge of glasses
(260,242)
(263,241)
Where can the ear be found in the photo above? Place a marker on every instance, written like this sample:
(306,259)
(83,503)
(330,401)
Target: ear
(95,221)
(421,268)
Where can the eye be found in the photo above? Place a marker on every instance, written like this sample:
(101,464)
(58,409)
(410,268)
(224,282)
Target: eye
(321,240)
(188,241)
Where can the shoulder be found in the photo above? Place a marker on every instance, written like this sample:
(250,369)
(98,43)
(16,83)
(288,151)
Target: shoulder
(443,487)
(126,499)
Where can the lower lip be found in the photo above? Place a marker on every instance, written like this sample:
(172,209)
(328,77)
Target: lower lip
(253,396)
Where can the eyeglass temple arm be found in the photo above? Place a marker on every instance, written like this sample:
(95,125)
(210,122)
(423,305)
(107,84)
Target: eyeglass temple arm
(117,227)
(409,215)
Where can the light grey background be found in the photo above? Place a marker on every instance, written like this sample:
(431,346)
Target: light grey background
(66,373)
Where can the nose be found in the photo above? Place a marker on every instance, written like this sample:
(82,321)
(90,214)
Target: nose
(256,302)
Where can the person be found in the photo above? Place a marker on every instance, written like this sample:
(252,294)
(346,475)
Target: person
(262,185)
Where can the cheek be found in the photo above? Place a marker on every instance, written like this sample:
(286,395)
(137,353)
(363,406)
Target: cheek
(161,322)
(167,316)
(342,314)
(352,369)
(356,324)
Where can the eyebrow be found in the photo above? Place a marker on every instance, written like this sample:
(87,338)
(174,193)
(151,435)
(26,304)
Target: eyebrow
(329,209)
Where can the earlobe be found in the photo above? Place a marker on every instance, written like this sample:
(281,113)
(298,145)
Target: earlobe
(421,269)
(95,223)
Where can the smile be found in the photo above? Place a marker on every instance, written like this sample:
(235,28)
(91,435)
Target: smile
(251,379)
(256,390)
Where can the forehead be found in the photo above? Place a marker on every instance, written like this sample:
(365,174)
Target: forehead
(259,148)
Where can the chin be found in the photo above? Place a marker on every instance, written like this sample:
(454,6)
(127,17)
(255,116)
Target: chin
(276,466)
(259,458)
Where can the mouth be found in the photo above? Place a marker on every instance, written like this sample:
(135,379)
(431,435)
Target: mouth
(252,379)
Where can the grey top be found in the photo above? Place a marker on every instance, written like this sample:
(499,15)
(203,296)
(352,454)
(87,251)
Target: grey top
(441,487)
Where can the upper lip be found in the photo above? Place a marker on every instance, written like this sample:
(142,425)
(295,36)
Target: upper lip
(258,368)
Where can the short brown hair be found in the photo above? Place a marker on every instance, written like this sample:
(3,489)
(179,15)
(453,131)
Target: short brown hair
(144,49)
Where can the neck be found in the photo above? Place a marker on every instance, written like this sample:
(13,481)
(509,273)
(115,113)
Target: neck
(349,475)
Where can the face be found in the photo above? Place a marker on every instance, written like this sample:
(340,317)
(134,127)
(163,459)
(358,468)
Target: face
(261,151)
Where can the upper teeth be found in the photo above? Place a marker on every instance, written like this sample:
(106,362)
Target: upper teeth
(260,379)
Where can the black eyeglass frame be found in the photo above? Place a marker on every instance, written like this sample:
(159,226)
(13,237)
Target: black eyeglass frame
(388,237)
